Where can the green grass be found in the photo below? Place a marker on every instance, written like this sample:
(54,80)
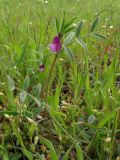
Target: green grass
(72,110)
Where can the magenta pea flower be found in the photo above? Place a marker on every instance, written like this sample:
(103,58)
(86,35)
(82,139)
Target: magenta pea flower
(56,45)
(41,68)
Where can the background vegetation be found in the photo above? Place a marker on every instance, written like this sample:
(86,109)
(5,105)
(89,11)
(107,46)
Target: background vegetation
(79,119)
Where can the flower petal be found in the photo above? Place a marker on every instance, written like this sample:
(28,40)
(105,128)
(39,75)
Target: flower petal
(56,45)
(41,68)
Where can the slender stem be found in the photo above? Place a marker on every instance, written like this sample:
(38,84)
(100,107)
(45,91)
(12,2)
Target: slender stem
(113,135)
(49,76)
(60,126)
(89,147)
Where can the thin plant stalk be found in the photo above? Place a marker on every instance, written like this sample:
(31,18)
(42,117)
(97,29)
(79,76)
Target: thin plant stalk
(49,76)
(113,136)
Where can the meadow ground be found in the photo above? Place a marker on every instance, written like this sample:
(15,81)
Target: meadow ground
(66,105)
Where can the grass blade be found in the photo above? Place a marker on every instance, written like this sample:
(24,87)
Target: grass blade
(78,29)
(79,152)
(50,147)
(94,24)
(21,59)
(98,36)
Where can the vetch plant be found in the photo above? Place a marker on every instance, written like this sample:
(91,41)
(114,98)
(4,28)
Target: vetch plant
(56,45)
(73,36)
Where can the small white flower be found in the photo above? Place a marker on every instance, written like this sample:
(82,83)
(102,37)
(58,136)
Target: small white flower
(74,24)
(111,27)
(15,67)
(46,2)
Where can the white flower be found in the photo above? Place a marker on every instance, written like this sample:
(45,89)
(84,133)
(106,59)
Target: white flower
(111,27)
(46,2)
(15,67)
(74,24)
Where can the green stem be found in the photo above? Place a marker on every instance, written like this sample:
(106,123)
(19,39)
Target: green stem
(48,82)
(113,136)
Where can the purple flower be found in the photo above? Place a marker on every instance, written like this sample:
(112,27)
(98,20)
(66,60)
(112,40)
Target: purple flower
(41,68)
(56,45)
